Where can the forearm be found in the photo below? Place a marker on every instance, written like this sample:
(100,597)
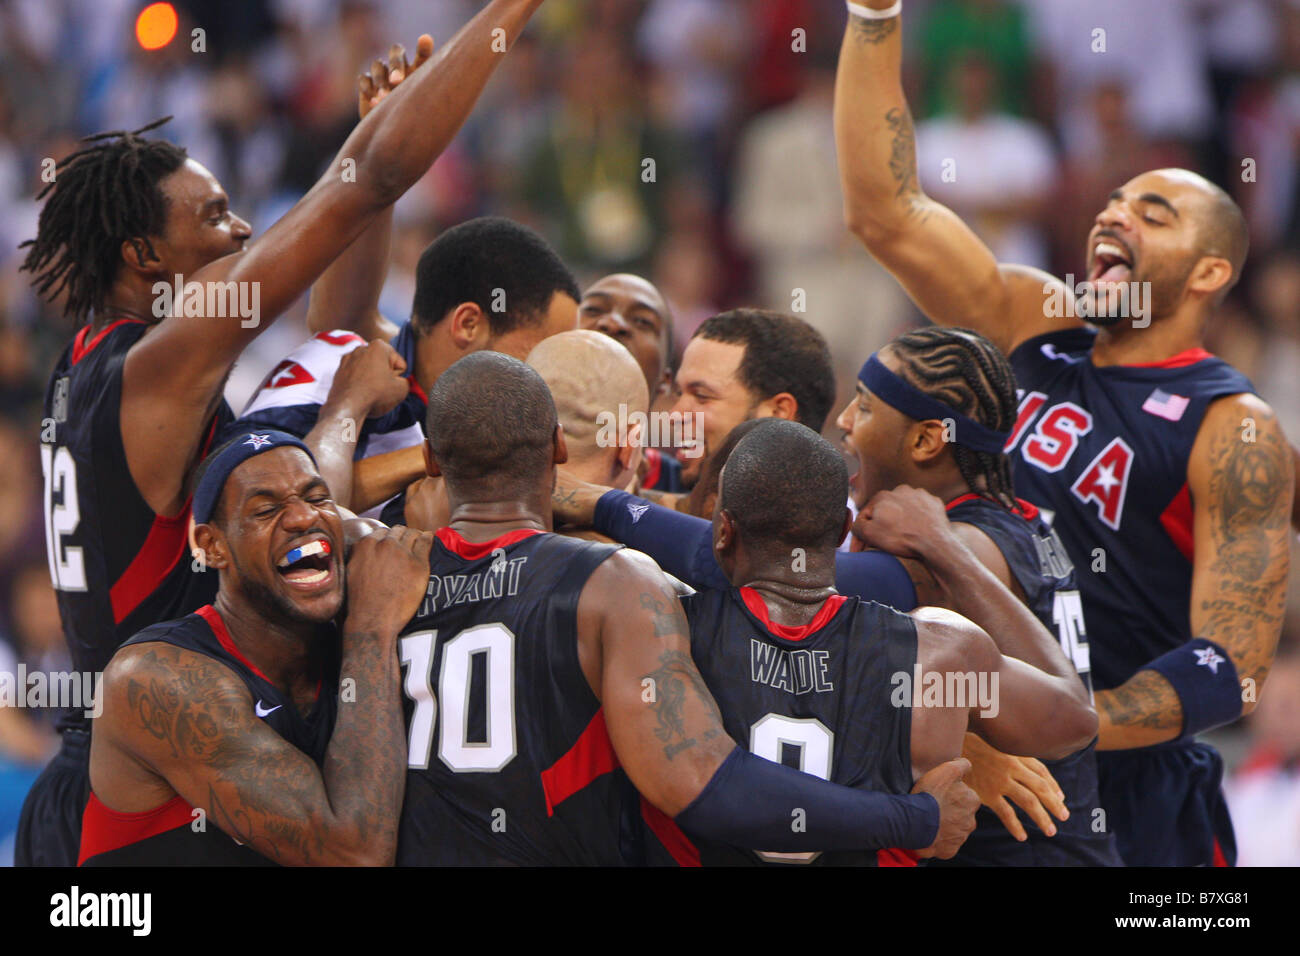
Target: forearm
(333,442)
(755,803)
(377,478)
(394,146)
(873,126)
(365,764)
(1141,712)
(680,544)
(346,296)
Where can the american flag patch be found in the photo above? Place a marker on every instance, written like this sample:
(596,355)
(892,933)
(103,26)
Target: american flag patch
(1163,404)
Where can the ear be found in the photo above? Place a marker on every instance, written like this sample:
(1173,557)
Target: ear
(468,327)
(724,533)
(925,441)
(430,462)
(209,539)
(781,405)
(560,446)
(1209,275)
(135,256)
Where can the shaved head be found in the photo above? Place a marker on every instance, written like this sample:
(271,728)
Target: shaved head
(589,373)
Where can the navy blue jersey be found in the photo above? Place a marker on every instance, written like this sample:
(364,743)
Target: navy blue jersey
(1038,563)
(663,472)
(1104,453)
(165,836)
(815,697)
(116,566)
(509,759)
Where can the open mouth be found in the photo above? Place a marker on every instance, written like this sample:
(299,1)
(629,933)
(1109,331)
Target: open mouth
(1111,263)
(308,565)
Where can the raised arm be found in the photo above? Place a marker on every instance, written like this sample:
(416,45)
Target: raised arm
(1241,483)
(174,376)
(947,270)
(346,296)
(191,721)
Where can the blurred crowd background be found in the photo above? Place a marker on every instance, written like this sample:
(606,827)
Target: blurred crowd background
(1043,115)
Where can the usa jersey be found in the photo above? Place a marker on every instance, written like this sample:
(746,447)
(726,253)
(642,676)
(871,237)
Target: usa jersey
(116,566)
(1038,563)
(1104,452)
(815,697)
(509,759)
(291,396)
(165,836)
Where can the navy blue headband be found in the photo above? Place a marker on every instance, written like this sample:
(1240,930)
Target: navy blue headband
(243,447)
(914,403)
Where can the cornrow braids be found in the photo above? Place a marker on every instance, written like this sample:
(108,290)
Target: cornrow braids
(963,369)
(102,195)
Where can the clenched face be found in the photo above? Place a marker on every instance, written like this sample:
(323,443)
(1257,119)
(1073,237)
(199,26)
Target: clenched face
(272,505)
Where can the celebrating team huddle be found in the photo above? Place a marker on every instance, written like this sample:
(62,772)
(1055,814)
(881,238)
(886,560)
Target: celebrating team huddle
(418,603)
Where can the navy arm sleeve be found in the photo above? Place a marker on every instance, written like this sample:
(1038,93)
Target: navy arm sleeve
(682,545)
(749,802)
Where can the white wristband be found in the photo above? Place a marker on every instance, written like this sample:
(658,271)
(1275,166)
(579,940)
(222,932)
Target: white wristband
(866,13)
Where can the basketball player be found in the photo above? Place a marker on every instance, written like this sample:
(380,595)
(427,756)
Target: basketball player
(896,430)
(136,398)
(633,311)
(222,739)
(1166,477)
(538,665)
(805,674)
(486,283)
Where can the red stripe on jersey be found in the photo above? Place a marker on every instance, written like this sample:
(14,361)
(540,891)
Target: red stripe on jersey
(209,614)
(160,553)
(103,829)
(79,347)
(792,632)
(654,463)
(677,843)
(158,556)
(473,550)
(591,756)
(1181,360)
(1219,858)
(339,337)
(895,857)
(417,391)
(1177,522)
(1025,510)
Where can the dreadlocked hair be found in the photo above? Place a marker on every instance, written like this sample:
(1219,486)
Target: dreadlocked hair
(102,195)
(963,369)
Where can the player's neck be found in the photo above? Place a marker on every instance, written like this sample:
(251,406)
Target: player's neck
(793,588)
(1122,344)
(479,521)
(126,300)
(287,652)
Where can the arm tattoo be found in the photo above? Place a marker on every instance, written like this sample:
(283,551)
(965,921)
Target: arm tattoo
(1145,700)
(902,152)
(872,31)
(666,622)
(1249,494)
(674,679)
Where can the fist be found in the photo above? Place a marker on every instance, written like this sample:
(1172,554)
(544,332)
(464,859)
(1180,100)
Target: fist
(957,806)
(370,379)
(388,575)
(906,522)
